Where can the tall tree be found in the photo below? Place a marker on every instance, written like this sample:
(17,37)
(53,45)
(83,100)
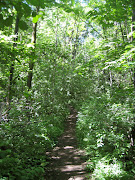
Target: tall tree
(133,41)
(13,60)
(31,62)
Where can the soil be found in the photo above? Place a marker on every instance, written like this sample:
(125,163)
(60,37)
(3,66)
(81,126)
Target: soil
(66,160)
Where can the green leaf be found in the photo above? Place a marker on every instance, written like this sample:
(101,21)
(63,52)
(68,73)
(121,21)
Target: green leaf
(23,25)
(8,21)
(73,2)
(68,10)
(27,10)
(18,60)
(35,19)
(36,3)
(33,2)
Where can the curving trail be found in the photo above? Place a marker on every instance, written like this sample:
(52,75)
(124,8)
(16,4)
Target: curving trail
(66,161)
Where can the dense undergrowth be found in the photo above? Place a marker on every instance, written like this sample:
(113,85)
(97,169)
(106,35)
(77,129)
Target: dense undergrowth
(57,53)
(26,137)
(104,131)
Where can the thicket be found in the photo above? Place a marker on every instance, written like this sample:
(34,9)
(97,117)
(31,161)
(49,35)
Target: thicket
(105,126)
(79,55)
(32,122)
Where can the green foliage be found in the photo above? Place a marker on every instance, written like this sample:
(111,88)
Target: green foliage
(8,21)
(102,130)
(27,10)
(35,19)
(23,25)
(105,170)
(81,59)
(24,142)
(36,3)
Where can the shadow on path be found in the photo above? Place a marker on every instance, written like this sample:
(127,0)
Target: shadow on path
(66,160)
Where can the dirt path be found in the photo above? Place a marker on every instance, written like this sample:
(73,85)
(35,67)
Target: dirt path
(66,160)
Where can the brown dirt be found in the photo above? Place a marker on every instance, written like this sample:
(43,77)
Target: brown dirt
(66,162)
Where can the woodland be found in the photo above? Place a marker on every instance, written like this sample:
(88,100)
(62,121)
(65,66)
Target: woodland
(60,54)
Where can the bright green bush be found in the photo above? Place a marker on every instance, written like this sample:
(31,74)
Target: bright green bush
(103,129)
(105,170)
(24,140)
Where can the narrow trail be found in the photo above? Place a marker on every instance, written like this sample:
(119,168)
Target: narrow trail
(66,160)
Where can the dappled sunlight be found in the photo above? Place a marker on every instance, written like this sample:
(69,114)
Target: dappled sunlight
(67,89)
(65,159)
(69,147)
(69,168)
(104,169)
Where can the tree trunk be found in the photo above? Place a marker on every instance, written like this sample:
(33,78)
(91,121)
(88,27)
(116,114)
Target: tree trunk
(76,40)
(133,39)
(31,62)
(122,33)
(13,61)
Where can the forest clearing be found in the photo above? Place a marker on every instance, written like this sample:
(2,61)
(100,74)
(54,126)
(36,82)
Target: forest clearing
(67,89)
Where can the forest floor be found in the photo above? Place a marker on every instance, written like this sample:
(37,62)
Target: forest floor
(66,160)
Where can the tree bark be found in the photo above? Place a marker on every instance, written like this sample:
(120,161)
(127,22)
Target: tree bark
(76,41)
(122,33)
(13,61)
(31,62)
(133,39)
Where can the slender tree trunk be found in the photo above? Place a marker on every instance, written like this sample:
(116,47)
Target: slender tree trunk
(56,32)
(111,81)
(133,39)
(122,33)
(31,62)
(13,62)
(76,40)
(31,66)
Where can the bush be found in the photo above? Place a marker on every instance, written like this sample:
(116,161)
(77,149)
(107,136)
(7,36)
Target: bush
(105,170)
(103,130)
(24,140)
